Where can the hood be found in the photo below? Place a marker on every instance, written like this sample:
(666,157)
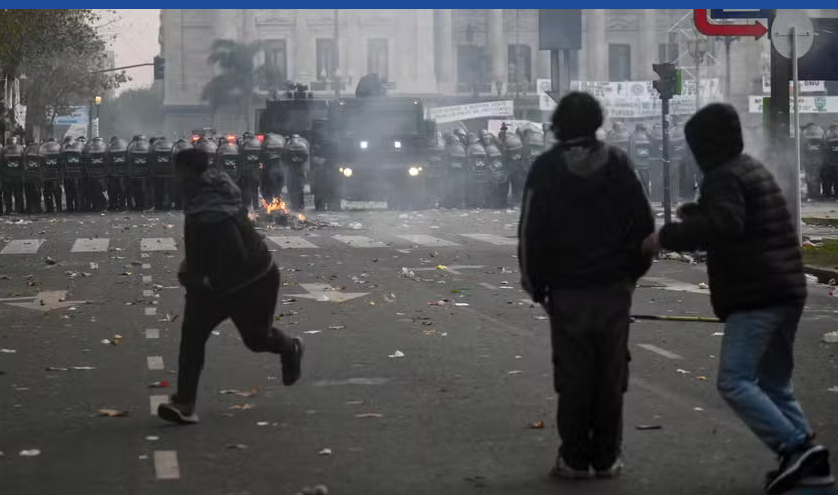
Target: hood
(585,161)
(213,195)
(714,135)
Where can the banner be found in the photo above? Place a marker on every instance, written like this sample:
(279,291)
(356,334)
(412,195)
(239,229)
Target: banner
(639,99)
(806,104)
(545,103)
(78,115)
(512,125)
(456,113)
(805,86)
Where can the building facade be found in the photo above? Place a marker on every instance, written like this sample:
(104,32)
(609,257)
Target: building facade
(442,54)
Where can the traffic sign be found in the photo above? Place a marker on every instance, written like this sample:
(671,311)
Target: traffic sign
(740,14)
(781,32)
(707,28)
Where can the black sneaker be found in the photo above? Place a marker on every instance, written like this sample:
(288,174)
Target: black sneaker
(292,363)
(795,466)
(819,475)
(175,412)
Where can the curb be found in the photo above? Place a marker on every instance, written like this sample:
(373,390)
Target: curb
(823,274)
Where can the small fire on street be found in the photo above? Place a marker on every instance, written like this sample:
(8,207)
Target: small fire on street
(277,212)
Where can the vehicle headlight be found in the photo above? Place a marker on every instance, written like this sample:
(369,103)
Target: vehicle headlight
(397,144)
(347,172)
(364,145)
(413,171)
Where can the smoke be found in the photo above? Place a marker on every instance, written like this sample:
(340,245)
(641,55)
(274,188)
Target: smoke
(779,160)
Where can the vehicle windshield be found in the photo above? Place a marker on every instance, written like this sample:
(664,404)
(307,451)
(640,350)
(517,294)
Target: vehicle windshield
(378,121)
(286,120)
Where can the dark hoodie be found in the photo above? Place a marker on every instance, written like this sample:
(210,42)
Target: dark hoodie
(583,219)
(741,219)
(224,253)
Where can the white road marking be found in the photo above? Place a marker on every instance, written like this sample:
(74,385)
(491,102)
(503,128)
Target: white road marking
(497,240)
(150,311)
(166,465)
(359,241)
(427,240)
(155,363)
(23,246)
(146,266)
(152,333)
(158,244)
(90,245)
(455,269)
(659,351)
(146,279)
(148,293)
(488,286)
(156,400)
(662,283)
(291,242)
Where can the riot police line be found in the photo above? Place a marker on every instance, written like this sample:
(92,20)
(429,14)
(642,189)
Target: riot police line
(79,175)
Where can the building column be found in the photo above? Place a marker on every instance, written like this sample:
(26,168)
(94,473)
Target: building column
(354,61)
(423,48)
(596,45)
(303,51)
(226,24)
(647,45)
(247,31)
(497,45)
(445,50)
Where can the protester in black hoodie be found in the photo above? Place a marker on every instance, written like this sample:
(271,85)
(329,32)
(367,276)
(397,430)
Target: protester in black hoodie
(228,273)
(584,217)
(757,286)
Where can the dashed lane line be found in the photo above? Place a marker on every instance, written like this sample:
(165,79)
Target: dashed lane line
(166,465)
(661,352)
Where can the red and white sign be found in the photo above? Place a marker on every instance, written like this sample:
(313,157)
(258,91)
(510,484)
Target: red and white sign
(707,28)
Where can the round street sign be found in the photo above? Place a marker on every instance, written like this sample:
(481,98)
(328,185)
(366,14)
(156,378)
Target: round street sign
(781,28)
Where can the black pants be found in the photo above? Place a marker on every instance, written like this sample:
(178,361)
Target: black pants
(139,193)
(589,330)
(250,192)
(117,194)
(829,181)
(163,193)
(52,195)
(32,190)
(95,192)
(13,190)
(252,311)
(72,196)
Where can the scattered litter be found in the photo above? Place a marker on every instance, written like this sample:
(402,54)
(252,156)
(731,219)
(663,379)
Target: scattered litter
(514,372)
(683,372)
(241,393)
(648,427)
(369,415)
(116,340)
(519,357)
(262,423)
(703,286)
(372,303)
(236,446)
(831,282)
(5,277)
(356,226)
(390,298)
(312,332)
(316,490)
(94,266)
(718,334)
(336,327)
(441,267)
(49,261)
(811,279)
(74,368)
(461,304)
(538,425)
(397,354)
(152,438)
(540,317)
(169,318)
(504,270)
(112,413)
(30,453)
(830,337)
(325,452)
(833,389)
(242,407)
(8,351)
(699,409)
(437,303)
(702,378)
(408,273)
(158,385)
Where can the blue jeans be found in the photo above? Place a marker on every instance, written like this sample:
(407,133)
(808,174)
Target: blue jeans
(757,359)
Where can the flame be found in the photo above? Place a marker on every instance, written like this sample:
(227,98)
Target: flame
(253,216)
(274,205)
(301,217)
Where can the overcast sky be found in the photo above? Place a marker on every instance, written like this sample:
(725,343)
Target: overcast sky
(135,41)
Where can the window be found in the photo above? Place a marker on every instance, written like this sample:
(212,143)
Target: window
(469,64)
(327,60)
(378,58)
(276,63)
(668,52)
(619,62)
(520,64)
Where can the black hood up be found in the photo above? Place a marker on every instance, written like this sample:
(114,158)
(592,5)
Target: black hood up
(714,135)
(211,192)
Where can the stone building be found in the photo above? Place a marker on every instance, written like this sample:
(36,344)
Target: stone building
(442,55)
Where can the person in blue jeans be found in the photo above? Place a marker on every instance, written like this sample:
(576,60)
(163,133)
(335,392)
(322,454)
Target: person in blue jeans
(757,287)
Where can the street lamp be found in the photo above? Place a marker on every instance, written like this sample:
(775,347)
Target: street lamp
(698,48)
(97,102)
(336,82)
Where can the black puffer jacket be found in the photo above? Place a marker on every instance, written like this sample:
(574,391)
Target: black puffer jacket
(741,219)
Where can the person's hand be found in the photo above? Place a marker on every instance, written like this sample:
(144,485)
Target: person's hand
(651,245)
(686,210)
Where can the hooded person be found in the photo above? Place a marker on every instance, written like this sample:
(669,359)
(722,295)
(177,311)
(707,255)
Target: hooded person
(228,273)
(757,287)
(583,220)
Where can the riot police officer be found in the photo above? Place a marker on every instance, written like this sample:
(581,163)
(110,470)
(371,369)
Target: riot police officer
(812,158)
(457,172)
(498,190)
(642,154)
(534,142)
(180,145)
(513,155)
(139,173)
(228,158)
(94,157)
(296,158)
(71,172)
(117,164)
(619,136)
(12,161)
(435,175)
(477,191)
(829,176)
(162,171)
(248,180)
(50,153)
(273,175)
(32,178)
(209,148)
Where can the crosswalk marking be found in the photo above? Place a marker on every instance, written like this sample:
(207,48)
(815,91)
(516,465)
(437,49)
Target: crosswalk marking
(427,240)
(166,465)
(359,241)
(659,351)
(291,242)
(23,246)
(96,245)
(158,244)
(155,363)
(154,401)
(497,240)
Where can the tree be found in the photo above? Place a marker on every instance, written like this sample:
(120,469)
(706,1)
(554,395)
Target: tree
(239,77)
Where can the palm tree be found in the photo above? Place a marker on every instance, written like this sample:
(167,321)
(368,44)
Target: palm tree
(238,78)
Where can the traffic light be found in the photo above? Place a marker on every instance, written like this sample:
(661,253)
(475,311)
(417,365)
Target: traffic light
(670,82)
(159,67)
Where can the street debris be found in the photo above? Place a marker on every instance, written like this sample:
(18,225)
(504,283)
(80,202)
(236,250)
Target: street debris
(30,453)
(701,378)
(460,304)
(408,273)
(356,226)
(94,266)
(262,423)
(703,286)
(236,446)
(316,490)
(152,438)
(312,332)
(112,413)
(537,425)
(683,372)
(7,351)
(514,372)
(242,407)
(369,415)
(336,327)
(441,267)
(74,368)
(830,337)
(158,385)
(833,389)
(241,393)
(390,298)
(648,427)
(718,334)
(397,354)
(438,303)
(49,261)
(325,452)
(699,409)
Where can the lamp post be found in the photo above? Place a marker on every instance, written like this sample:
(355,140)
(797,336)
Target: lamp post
(97,103)
(698,48)
(336,82)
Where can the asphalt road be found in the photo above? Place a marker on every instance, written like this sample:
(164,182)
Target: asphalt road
(408,398)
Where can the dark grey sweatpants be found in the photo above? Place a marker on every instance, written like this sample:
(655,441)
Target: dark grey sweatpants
(589,330)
